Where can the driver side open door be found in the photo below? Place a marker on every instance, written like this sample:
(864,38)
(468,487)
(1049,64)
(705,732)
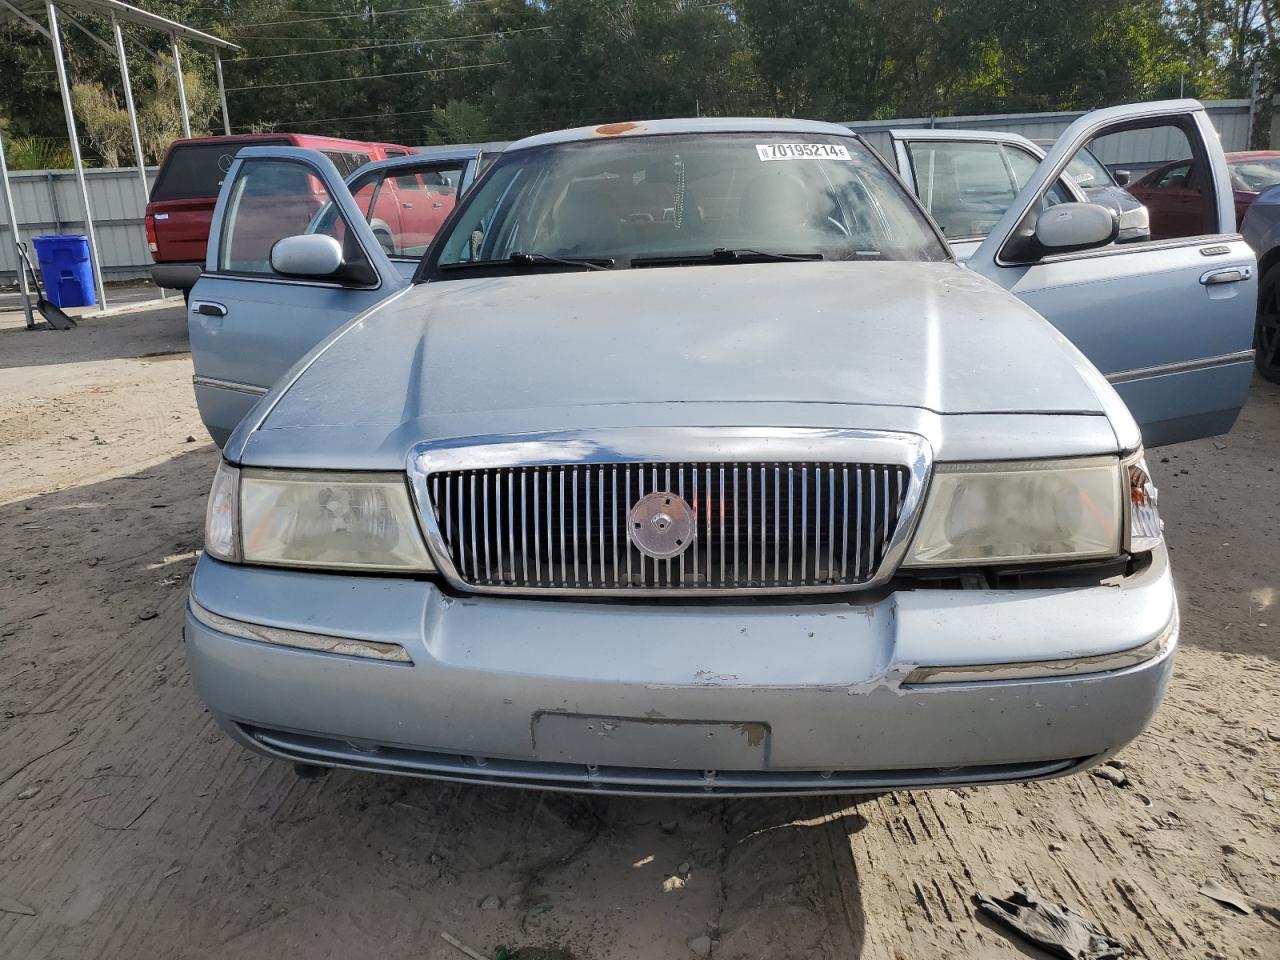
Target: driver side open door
(1169,322)
(248,322)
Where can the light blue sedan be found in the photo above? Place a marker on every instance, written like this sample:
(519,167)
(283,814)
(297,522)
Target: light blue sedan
(689,461)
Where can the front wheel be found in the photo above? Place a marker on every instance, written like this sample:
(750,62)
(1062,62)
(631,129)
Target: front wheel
(1266,336)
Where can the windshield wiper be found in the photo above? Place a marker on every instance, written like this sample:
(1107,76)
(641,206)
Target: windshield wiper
(722,255)
(521,259)
(743,253)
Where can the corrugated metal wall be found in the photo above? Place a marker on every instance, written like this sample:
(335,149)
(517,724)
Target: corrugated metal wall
(48,201)
(1140,150)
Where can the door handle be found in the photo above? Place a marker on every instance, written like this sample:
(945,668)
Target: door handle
(1226,275)
(407,205)
(207,309)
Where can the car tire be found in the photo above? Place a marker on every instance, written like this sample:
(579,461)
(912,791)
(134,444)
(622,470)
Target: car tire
(1266,336)
(186,297)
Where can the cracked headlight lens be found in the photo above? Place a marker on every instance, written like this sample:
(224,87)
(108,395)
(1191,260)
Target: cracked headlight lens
(1146,529)
(978,513)
(221,526)
(353,521)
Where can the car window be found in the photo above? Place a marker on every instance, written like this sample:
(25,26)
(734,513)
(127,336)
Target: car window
(1169,202)
(1255,175)
(272,199)
(193,170)
(1024,164)
(1174,177)
(966,185)
(406,205)
(1088,171)
(645,198)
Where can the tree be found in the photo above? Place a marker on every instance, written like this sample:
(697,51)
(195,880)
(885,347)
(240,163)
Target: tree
(104,123)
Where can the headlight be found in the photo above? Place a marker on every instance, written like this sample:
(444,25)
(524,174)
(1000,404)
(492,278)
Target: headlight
(294,518)
(979,513)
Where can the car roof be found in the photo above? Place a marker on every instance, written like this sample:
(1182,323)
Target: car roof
(1239,156)
(296,139)
(634,128)
(978,136)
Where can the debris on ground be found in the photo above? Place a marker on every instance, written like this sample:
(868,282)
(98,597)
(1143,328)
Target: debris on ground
(491,902)
(703,946)
(147,614)
(1111,775)
(458,944)
(1215,889)
(28,793)
(1053,927)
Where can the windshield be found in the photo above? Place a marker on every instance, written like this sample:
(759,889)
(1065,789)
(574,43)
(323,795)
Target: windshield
(1087,171)
(657,200)
(1255,175)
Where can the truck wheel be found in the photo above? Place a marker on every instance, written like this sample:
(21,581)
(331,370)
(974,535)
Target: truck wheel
(1266,336)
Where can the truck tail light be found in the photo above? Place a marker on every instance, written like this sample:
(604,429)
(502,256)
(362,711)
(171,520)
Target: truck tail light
(150,223)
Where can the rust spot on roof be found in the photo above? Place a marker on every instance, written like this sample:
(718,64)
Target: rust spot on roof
(614,129)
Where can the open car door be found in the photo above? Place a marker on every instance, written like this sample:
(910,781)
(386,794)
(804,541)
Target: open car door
(1169,321)
(291,258)
(405,200)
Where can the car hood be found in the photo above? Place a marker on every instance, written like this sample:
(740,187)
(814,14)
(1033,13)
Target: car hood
(509,354)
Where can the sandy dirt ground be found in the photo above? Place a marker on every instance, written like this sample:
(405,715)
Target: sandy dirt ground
(129,827)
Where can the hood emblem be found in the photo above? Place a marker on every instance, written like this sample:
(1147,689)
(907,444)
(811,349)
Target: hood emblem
(661,525)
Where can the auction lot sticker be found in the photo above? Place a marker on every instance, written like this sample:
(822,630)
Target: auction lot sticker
(802,151)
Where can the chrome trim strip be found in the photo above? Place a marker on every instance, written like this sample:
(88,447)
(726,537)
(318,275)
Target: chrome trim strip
(1183,366)
(316,642)
(1158,646)
(203,381)
(669,444)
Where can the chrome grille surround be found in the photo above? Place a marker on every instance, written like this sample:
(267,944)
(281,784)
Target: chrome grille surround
(493,509)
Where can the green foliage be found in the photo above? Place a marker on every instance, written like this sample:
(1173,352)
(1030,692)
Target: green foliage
(434,72)
(103,122)
(36,153)
(459,121)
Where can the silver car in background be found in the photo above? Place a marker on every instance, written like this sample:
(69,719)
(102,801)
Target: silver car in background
(691,462)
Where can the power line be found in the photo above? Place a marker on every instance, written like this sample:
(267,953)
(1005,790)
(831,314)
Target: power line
(375,76)
(383,46)
(358,116)
(365,15)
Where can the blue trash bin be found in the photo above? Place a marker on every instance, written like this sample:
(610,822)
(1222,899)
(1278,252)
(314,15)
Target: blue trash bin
(65,269)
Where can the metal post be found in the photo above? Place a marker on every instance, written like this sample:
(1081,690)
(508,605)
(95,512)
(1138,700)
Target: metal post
(182,87)
(11,212)
(1255,79)
(55,40)
(133,115)
(222,92)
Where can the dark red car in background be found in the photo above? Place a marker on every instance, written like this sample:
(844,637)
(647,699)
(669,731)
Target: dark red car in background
(186,189)
(1175,200)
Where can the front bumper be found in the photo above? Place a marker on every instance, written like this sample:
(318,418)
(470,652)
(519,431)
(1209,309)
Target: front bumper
(742,698)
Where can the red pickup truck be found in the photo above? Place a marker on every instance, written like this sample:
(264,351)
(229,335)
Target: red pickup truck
(186,189)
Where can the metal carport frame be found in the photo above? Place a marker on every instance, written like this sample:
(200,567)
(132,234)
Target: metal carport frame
(25,11)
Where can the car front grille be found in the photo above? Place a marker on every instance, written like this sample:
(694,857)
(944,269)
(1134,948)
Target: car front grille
(754,525)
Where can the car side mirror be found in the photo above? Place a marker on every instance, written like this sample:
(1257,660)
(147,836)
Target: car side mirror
(1121,177)
(1062,228)
(1075,226)
(317,256)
